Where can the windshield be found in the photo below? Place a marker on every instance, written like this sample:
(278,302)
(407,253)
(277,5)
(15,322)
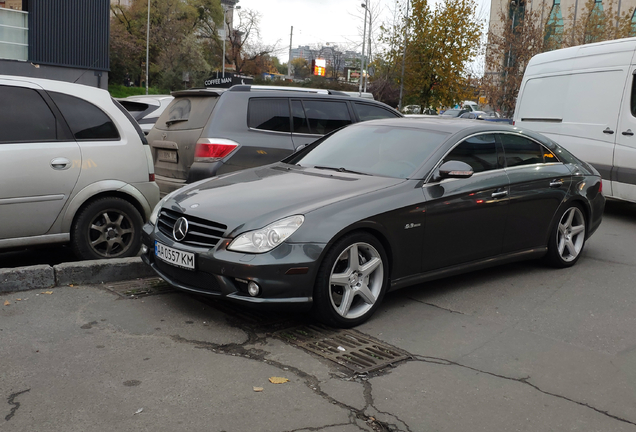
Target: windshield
(377,150)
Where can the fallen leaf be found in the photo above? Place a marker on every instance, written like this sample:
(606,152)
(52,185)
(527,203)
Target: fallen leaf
(7,302)
(71,285)
(258,389)
(46,292)
(139,410)
(18,299)
(278,380)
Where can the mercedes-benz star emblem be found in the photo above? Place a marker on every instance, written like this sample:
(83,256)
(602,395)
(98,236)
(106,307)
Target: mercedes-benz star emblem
(180,229)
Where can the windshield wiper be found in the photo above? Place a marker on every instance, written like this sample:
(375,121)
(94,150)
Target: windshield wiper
(341,169)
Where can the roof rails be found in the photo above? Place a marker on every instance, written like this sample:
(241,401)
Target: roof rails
(246,88)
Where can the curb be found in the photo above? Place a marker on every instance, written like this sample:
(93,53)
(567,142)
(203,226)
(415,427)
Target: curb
(76,273)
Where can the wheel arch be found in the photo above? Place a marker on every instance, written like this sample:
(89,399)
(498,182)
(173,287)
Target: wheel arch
(109,188)
(369,227)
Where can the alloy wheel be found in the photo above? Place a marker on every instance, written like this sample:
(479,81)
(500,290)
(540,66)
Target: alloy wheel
(571,234)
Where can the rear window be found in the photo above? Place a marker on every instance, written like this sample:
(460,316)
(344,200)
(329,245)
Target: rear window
(87,121)
(189,112)
(373,112)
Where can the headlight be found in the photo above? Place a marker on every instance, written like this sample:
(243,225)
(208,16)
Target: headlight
(266,239)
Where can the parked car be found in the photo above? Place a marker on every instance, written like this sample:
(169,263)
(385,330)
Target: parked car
(205,132)
(555,96)
(373,207)
(474,115)
(76,169)
(146,109)
(454,112)
(412,109)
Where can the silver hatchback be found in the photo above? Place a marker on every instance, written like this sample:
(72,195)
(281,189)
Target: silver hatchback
(75,168)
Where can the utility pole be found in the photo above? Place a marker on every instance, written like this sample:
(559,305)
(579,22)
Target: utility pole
(406,38)
(366,81)
(364,39)
(289,65)
(147,44)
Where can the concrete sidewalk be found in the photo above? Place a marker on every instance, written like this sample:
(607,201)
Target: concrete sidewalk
(73,273)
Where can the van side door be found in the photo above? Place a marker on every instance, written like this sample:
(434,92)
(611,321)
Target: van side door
(623,175)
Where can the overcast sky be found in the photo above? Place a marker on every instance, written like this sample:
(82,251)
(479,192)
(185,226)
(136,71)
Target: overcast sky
(336,22)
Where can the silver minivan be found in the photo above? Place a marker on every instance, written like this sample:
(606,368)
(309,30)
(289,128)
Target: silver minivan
(75,168)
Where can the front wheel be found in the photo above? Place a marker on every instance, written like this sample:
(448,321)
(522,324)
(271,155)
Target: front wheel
(567,238)
(351,281)
(107,228)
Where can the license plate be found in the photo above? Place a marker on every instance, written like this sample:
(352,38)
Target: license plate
(167,155)
(174,257)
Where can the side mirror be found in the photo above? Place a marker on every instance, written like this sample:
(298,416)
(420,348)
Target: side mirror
(455,169)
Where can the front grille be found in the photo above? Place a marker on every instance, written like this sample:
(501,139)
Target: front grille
(201,233)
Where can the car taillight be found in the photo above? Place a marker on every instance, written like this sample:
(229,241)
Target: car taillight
(151,177)
(210,150)
(513,122)
(600,188)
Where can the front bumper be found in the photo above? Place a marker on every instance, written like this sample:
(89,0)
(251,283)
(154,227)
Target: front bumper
(285,275)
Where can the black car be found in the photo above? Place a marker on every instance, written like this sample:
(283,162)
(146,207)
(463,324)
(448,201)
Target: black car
(373,207)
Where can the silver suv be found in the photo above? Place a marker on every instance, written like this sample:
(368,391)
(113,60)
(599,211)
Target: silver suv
(205,132)
(75,168)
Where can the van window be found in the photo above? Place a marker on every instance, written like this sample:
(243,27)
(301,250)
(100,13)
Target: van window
(522,151)
(269,114)
(480,152)
(326,116)
(25,117)
(544,98)
(632,101)
(87,122)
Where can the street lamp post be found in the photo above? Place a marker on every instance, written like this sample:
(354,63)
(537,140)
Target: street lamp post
(147,44)
(364,38)
(225,29)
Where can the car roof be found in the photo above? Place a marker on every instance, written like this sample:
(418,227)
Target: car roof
(447,125)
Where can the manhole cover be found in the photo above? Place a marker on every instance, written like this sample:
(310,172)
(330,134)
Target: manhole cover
(139,287)
(349,348)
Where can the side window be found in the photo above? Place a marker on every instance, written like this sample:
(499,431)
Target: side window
(326,116)
(372,112)
(632,101)
(87,122)
(26,117)
(299,118)
(480,152)
(522,151)
(269,114)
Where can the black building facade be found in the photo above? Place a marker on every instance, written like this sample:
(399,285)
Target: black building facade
(68,40)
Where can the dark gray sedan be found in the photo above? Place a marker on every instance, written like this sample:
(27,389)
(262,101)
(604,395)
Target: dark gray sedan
(374,207)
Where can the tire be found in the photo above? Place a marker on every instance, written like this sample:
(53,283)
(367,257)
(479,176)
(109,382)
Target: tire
(567,238)
(351,281)
(107,228)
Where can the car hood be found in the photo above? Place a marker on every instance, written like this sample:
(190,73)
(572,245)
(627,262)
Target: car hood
(253,198)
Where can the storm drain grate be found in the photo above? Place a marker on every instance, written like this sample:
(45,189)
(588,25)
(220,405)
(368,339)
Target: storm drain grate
(140,287)
(349,348)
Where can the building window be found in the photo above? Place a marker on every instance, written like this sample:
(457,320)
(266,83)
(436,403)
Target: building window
(632,31)
(554,27)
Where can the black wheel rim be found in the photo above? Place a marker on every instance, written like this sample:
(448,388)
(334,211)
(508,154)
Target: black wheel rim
(111,233)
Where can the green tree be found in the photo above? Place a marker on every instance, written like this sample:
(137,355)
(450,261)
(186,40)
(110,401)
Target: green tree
(300,68)
(441,43)
(177,48)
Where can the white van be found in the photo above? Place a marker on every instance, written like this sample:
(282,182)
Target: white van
(584,98)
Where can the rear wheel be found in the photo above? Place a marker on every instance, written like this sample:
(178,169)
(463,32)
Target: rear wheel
(567,238)
(107,228)
(352,281)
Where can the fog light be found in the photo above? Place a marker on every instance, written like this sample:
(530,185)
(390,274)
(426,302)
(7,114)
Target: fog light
(144,249)
(253,288)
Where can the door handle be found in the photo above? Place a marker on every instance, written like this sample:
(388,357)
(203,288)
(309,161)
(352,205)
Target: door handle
(608,131)
(556,183)
(501,194)
(60,163)
(628,132)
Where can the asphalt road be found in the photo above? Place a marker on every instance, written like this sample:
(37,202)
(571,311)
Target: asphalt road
(520,347)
